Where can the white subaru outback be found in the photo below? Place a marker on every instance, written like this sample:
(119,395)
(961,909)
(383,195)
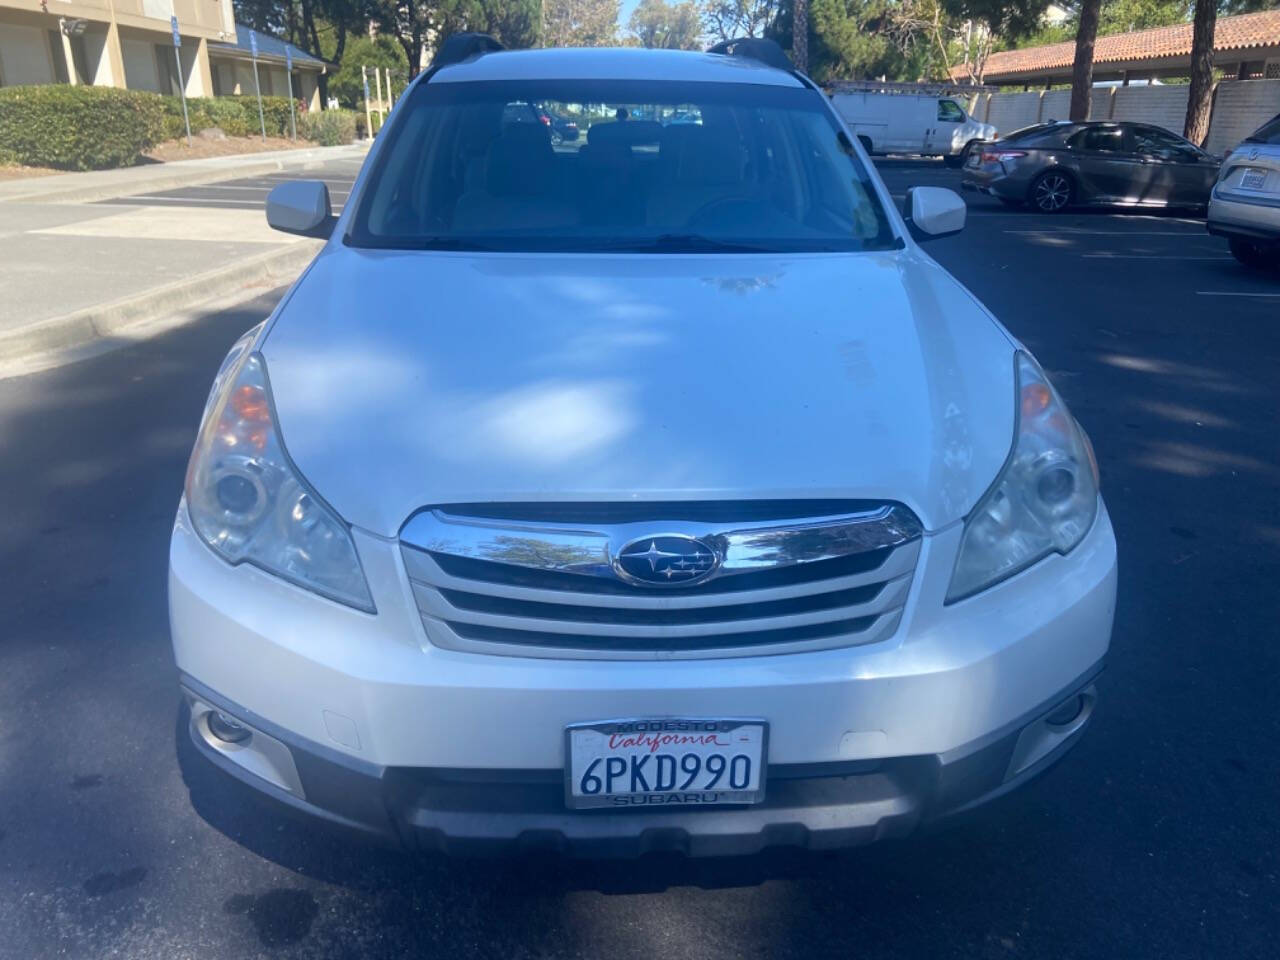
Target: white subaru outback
(649,490)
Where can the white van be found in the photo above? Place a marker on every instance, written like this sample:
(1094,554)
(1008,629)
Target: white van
(909,118)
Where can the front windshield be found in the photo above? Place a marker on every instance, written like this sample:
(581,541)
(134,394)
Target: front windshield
(618,165)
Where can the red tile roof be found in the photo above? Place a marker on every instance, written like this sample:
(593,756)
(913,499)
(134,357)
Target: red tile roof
(1232,33)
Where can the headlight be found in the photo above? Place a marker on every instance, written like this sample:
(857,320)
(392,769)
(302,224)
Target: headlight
(1043,501)
(246,499)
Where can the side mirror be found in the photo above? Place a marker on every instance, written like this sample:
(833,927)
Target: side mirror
(933,212)
(301,207)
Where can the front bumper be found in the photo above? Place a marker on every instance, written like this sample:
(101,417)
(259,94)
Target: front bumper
(360,719)
(475,812)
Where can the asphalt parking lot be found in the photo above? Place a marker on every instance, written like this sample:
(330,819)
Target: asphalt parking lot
(1156,838)
(249,193)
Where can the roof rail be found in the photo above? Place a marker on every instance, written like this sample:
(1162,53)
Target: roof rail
(460,46)
(755,48)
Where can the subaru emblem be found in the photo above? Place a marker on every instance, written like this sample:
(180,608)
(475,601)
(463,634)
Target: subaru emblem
(667,560)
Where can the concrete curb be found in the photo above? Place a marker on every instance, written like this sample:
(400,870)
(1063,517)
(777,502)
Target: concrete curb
(117,320)
(111,184)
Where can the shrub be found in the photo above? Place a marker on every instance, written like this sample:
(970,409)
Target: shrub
(329,128)
(362,131)
(81,127)
(230,116)
(225,113)
(171,122)
(275,113)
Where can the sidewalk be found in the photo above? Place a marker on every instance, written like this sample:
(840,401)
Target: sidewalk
(97,185)
(79,276)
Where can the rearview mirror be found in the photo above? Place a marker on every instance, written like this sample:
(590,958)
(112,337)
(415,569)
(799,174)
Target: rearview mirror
(301,207)
(933,212)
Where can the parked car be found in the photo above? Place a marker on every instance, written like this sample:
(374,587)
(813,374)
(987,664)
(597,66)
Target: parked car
(563,130)
(633,499)
(1056,165)
(560,128)
(1245,206)
(891,120)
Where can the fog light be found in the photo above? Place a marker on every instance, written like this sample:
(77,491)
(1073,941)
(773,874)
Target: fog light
(1066,712)
(227,729)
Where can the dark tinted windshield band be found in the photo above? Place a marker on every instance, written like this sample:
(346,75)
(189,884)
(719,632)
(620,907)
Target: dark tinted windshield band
(617,165)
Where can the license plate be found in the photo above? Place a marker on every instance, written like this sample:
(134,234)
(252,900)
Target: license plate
(641,764)
(1253,179)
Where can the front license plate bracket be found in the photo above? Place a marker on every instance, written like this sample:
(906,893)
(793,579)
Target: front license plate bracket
(661,762)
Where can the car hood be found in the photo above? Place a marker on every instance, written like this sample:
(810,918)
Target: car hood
(403,379)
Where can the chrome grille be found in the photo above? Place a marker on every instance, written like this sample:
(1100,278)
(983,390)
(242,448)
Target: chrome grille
(507,579)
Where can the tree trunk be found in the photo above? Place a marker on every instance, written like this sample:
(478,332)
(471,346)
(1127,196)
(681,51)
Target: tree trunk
(341,32)
(800,36)
(1082,70)
(1200,96)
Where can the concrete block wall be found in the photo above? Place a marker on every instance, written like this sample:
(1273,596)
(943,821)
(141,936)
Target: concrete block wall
(1239,109)
(1162,106)
(1055,105)
(1009,111)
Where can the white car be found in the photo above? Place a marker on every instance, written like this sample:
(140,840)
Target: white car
(1244,206)
(662,494)
(889,118)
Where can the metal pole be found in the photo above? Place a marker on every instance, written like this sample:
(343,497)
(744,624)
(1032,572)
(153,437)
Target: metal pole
(368,117)
(262,121)
(293,121)
(253,50)
(182,86)
(377,78)
(182,89)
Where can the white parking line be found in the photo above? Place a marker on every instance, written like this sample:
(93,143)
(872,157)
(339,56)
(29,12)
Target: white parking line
(152,198)
(232,186)
(1233,293)
(1069,232)
(1143,256)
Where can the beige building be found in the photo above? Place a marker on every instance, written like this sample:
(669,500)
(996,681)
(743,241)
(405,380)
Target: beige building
(129,43)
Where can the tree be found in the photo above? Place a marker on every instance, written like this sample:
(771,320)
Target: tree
(346,84)
(1125,16)
(800,36)
(1200,94)
(656,23)
(731,19)
(580,23)
(319,26)
(514,23)
(850,39)
(1082,68)
(979,23)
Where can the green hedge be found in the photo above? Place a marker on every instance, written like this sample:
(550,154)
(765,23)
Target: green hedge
(79,128)
(234,116)
(94,128)
(329,128)
(275,113)
(227,114)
